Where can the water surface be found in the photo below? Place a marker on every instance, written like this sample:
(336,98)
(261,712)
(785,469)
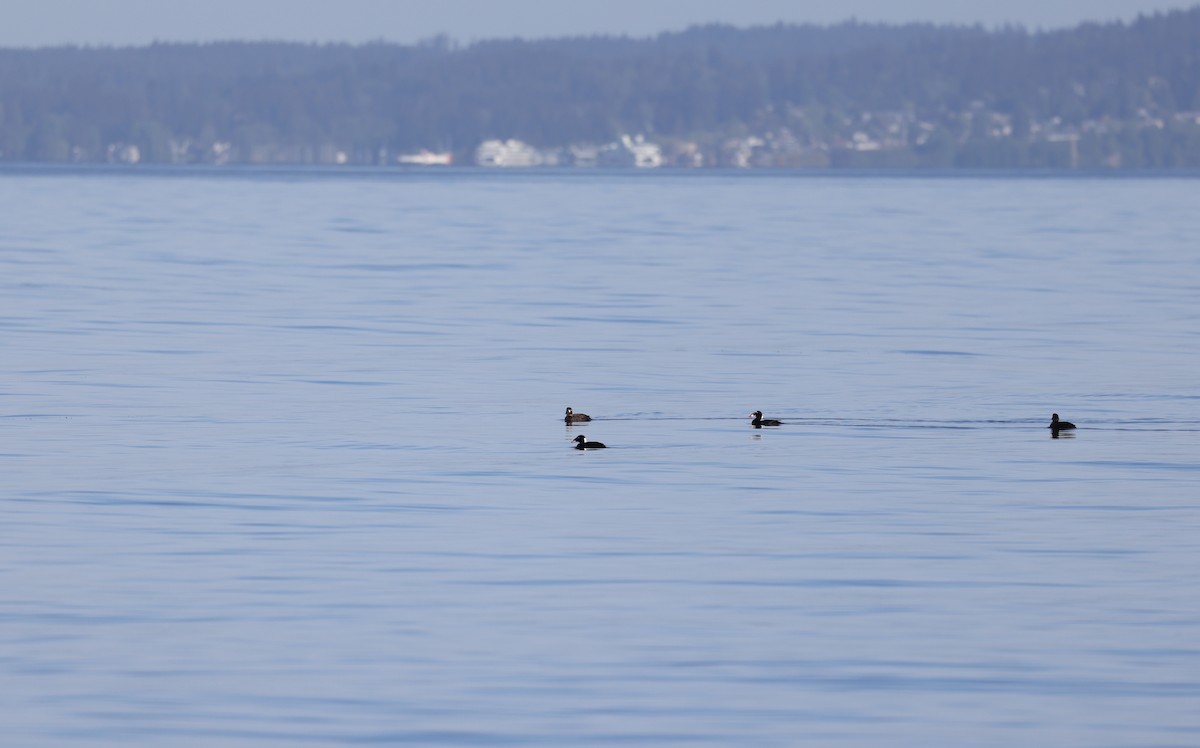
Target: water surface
(284,463)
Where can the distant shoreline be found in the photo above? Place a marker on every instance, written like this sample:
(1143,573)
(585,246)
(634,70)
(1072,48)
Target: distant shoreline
(855,96)
(400,172)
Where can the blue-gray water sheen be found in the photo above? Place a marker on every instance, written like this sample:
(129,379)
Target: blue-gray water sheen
(283,459)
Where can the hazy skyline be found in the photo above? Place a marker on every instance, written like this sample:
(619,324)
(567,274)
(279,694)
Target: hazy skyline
(139,22)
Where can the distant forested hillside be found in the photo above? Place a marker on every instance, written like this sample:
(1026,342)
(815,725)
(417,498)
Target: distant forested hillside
(1099,95)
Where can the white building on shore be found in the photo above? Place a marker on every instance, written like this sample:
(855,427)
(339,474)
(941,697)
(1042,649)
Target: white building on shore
(645,155)
(426,158)
(507,153)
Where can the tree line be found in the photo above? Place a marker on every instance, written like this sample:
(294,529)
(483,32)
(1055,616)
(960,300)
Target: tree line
(852,94)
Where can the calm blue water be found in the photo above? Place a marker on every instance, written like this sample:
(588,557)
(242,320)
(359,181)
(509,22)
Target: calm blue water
(283,460)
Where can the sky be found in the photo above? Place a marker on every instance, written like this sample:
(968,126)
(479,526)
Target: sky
(39,23)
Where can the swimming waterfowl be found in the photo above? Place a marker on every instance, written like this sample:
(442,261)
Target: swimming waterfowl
(1057,425)
(581,442)
(573,417)
(759,421)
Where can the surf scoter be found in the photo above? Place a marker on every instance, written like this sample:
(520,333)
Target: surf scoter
(759,421)
(581,442)
(1057,425)
(573,417)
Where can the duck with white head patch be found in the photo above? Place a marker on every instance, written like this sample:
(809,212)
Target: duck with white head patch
(759,421)
(573,417)
(581,442)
